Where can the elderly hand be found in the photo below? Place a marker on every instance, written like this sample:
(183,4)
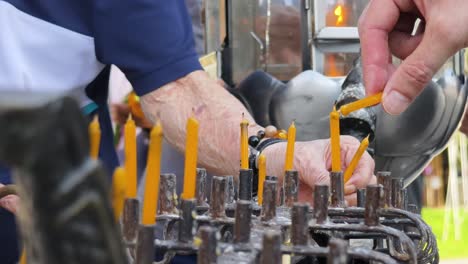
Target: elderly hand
(313,162)
(9,202)
(386,28)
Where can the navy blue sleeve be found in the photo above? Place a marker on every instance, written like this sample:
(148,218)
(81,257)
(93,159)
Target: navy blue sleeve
(151,41)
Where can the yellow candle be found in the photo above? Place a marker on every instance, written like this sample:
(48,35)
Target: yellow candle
(23,257)
(335,140)
(118,191)
(153,170)
(357,156)
(289,163)
(94,138)
(190,169)
(261,177)
(244,143)
(363,103)
(131,157)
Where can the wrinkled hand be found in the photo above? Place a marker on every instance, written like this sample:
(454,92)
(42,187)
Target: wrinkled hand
(385,28)
(10,202)
(313,162)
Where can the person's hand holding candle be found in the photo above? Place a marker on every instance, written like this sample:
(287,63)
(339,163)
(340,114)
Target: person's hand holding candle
(313,162)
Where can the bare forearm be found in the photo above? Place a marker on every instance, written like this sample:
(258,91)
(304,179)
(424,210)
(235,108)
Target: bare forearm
(218,112)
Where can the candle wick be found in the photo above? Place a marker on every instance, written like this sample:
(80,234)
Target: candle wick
(193,111)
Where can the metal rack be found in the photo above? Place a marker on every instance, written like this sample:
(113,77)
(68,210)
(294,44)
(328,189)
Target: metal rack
(228,230)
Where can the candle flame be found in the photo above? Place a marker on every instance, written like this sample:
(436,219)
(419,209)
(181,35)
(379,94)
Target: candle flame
(339,15)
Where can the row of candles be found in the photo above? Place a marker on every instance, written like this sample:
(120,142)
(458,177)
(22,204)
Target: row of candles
(125,179)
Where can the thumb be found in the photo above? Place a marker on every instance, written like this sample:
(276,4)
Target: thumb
(415,72)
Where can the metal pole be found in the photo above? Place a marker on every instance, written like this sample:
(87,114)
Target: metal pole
(218,195)
(374,195)
(321,198)
(337,189)
(243,221)
(361,197)
(299,224)
(145,245)
(271,253)
(269,200)
(187,208)
(245,184)
(167,194)
(291,187)
(385,179)
(207,250)
(200,188)
(337,252)
(230,189)
(397,193)
(130,219)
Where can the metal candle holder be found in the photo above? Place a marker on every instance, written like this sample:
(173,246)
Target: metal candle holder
(322,234)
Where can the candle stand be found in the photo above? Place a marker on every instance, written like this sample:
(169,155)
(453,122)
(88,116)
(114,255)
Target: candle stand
(67,217)
(371,232)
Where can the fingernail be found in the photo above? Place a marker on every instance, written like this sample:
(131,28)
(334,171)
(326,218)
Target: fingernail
(395,103)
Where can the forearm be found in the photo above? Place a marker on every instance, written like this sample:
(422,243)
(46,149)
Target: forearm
(218,112)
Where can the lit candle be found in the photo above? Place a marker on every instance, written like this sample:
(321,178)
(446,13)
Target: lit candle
(153,170)
(190,169)
(289,163)
(118,191)
(354,162)
(131,157)
(261,177)
(359,104)
(94,138)
(335,140)
(244,143)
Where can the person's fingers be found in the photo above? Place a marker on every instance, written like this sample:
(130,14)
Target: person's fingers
(120,113)
(364,171)
(401,40)
(351,191)
(406,23)
(10,203)
(351,199)
(316,176)
(373,180)
(414,73)
(306,193)
(403,44)
(375,24)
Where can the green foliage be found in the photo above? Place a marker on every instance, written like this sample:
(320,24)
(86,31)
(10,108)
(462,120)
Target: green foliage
(450,248)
